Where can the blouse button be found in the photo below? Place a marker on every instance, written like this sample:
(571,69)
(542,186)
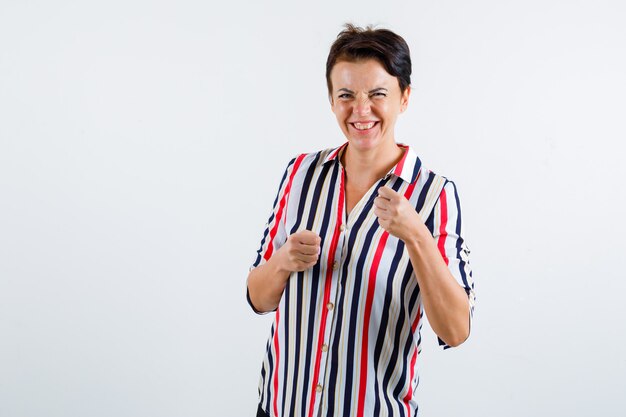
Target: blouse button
(335,265)
(318,388)
(329,306)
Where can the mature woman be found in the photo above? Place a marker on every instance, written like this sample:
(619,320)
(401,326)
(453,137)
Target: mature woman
(362,240)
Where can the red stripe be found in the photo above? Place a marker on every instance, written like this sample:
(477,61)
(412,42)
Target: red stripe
(281,207)
(409,394)
(327,285)
(276,365)
(398,171)
(441,242)
(336,151)
(366,325)
(334,154)
(268,254)
(371,285)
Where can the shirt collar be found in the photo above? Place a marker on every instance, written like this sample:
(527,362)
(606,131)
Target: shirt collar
(334,154)
(407,168)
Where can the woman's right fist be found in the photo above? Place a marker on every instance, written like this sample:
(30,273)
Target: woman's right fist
(300,252)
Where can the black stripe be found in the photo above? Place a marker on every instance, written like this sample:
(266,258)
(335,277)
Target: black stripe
(408,342)
(304,194)
(339,309)
(300,276)
(416,169)
(267,229)
(459,241)
(270,365)
(422,197)
(263,373)
(361,279)
(285,352)
(316,285)
(299,283)
(382,334)
(406,279)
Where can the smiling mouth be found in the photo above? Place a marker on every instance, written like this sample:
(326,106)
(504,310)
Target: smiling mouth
(363,126)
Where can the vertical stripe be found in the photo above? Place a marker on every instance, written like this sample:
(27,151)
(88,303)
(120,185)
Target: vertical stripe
(443,234)
(285,351)
(276,356)
(368,309)
(329,275)
(372,328)
(304,194)
(273,214)
(309,386)
(283,202)
(353,312)
(459,241)
(400,166)
(409,393)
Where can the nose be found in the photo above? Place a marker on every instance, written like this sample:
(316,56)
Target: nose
(362,106)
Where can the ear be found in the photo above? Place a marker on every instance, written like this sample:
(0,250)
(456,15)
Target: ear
(404,101)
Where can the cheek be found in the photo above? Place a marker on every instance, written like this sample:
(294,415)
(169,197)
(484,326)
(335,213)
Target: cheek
(342,113)
(383,109)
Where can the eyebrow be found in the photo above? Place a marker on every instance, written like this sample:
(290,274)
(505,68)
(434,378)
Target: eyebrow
(369,92)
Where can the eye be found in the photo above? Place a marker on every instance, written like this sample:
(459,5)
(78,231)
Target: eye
(344,96)
(379,94)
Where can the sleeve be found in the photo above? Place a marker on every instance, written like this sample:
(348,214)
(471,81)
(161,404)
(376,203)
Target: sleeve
(275,234)
(450,240)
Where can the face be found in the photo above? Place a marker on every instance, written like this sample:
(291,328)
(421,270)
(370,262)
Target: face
(366,100)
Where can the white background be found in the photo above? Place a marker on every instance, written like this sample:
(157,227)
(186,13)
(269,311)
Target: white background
(141,144)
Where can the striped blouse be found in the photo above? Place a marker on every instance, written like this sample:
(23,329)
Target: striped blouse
(346,332)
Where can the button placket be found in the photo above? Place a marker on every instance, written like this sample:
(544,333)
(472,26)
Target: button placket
(337,257)
(330,307)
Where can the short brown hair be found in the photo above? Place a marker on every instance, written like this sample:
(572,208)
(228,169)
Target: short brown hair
(355,43)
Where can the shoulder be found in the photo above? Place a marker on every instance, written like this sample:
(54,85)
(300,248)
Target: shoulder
(429,178)
(304,161)
(444,188)
(437,186)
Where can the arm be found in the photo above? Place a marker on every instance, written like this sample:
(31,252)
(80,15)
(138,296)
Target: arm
(446,302)
(267,282)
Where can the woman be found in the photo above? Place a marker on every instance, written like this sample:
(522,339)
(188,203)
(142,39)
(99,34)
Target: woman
(361,241)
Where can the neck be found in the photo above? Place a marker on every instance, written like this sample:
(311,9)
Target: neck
(372,165)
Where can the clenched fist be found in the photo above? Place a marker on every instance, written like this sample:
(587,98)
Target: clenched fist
(300,252)
(396,215)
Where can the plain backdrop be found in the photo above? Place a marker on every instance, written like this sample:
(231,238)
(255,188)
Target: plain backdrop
(141,146)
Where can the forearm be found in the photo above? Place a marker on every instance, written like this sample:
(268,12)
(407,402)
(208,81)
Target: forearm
(266,284)
(445,301)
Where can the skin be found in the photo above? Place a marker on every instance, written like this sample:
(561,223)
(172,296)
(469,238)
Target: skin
(363,92)
(267,282)
(445,301)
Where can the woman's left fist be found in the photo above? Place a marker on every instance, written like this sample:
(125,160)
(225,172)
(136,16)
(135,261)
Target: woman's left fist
(395,214)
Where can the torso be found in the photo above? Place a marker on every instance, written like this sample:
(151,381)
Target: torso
(356,186)
(354,193)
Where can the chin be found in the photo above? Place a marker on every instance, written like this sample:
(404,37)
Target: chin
(364,143)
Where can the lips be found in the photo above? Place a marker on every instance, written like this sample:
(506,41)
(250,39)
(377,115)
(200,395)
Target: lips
(364,126)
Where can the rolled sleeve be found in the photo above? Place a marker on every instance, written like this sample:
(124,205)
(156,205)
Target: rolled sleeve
(275,234)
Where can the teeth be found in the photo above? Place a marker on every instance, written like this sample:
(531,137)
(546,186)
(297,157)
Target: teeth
(364,126)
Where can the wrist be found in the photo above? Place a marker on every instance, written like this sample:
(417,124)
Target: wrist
(278,266)
(418,238)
